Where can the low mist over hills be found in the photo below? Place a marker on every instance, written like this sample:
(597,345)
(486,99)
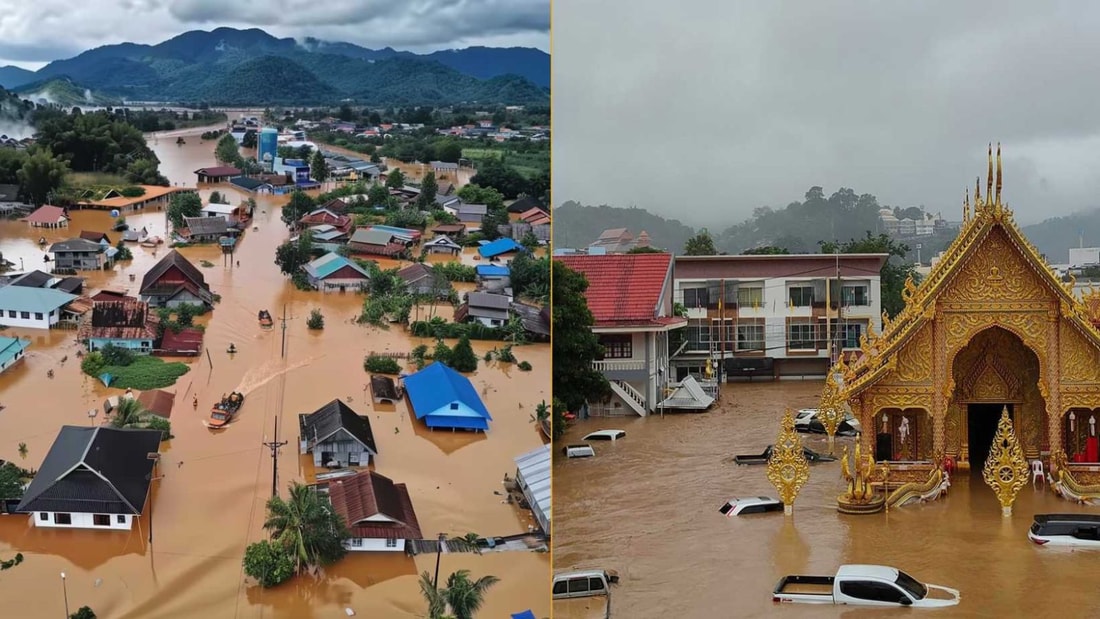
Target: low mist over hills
(232,67)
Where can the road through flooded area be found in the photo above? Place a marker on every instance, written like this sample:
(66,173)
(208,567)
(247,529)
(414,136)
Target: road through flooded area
(647,506)
(209,504)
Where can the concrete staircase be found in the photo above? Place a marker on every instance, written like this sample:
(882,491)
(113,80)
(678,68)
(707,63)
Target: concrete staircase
(633,398)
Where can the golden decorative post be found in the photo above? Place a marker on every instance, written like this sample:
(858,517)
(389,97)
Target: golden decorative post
(1006,468)
(831,409)
(787,468)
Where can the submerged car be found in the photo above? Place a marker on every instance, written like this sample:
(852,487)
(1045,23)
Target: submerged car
(807,421)
(605,435)
(750,505)
(1071,530)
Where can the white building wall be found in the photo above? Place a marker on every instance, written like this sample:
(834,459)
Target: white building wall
(83,521)
(370,544)
(12,318)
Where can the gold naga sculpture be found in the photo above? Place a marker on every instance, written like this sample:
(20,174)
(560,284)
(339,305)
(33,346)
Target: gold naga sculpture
(1067,487)
(787,467)
(1005,469)
(860,497)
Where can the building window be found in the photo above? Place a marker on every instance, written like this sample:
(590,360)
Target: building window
(11,313)
(696,298)
(698,336)
(854,295)
(38,315)
(620,346)
(356,542)
(801,296)
(120,519)
(750,297)
(716,334)
(391,543)
(43,516)
(101,520)
(59,518)
(801,337)
(850,334)
(750,338)
(25,315)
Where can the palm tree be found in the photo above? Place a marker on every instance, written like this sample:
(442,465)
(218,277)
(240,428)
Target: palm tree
(129,414)
(464,596)
(466,541)
(437,603)
(307,527)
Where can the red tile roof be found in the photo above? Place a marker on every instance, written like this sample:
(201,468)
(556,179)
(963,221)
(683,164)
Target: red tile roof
(370,494)
(219,171)
(622,288)
(186,341)
(46,214)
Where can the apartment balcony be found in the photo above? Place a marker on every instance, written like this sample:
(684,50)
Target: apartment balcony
(622,369)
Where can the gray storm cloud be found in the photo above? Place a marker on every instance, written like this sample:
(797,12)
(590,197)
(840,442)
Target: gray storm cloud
(704,114)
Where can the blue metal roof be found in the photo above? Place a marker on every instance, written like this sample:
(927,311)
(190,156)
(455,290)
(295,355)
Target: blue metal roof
(24,299)
(330,263)
(491,270)
(498,247)
(443,398)
(11,346)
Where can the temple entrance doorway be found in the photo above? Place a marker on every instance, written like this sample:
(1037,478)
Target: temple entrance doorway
(981,422)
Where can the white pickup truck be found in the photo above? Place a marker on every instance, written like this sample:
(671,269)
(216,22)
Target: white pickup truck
(864,585)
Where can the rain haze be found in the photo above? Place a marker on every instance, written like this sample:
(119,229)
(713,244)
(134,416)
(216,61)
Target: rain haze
(707,113)
(28,30)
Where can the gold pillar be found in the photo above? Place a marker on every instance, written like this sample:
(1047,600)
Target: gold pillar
(1053,399)
(940,382)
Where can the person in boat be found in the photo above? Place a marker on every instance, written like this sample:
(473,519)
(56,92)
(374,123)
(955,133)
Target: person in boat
(195,403)
(49,373)
(232,348)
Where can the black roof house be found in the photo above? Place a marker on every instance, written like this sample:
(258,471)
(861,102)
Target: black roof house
(101,470)
(320,425)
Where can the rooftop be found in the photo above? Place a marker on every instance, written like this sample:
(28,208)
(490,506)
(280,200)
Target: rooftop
(46,214)
(622,288)
(25,299)
(375,507)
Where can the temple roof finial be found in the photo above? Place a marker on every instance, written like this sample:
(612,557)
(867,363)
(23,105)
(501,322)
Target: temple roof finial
(977,194)
(966,206)
(998,173)
(989,176)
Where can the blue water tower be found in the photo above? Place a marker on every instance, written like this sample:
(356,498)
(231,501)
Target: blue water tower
(269,147)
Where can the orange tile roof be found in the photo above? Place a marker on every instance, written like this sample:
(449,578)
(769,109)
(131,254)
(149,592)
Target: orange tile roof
(152,192)
(622,288)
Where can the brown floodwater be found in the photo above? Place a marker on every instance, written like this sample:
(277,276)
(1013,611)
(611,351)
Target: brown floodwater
(647,506)
(210,503)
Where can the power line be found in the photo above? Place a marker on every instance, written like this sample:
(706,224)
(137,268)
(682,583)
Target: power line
(274,445)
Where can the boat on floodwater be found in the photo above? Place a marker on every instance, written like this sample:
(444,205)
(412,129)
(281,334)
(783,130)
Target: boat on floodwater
(223,411)
(265,319)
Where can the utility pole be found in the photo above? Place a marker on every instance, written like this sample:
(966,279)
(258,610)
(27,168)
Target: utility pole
(274,445)
(284,333)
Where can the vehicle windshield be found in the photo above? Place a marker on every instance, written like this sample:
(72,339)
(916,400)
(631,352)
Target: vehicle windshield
(218,416)
(911,585)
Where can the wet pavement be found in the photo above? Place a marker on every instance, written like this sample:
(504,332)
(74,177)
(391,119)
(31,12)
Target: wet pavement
(210,503)
(647,506)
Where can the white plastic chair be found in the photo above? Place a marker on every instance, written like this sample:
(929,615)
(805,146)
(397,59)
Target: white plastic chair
(1037,472)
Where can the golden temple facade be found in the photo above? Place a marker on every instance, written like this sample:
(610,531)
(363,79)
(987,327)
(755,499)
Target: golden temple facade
(991,327)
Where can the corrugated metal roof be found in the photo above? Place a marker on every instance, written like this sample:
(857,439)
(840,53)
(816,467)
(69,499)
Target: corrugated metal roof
(11,346)
(498,247)
(23,299)
(533,475)
(491,270)
(330,263)
(433,390)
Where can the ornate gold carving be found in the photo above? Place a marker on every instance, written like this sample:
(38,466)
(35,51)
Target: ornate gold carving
(951,429)
(831,411)
(1005,469)
(860,496)
(1080,358)
(787,468)
(915,359)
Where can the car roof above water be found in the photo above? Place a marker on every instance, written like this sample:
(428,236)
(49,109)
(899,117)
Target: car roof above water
(1062,518)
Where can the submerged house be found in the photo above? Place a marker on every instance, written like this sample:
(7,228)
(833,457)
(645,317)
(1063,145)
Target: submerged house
(335,272)
(173,282)
(383,390)
(379,512)
(11,351)
(48,216)
(93,478)
(443,398)
(442,245)
(493,276)
(533,480)
(124,324)
(35,308)
(489,309)
(421,279)
(499,248)
(204,229)
(336,436)
(135,235)
(376,242)
(82,255)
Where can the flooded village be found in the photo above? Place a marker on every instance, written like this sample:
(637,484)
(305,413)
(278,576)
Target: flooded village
(422,466)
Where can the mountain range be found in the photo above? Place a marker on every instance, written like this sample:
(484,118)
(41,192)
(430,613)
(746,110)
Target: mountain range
(228,66)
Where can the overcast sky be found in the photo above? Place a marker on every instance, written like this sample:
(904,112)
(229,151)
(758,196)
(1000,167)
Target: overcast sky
(702,111)
(33,33)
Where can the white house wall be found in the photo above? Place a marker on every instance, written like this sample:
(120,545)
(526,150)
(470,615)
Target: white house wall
(373,544)
(12,318)
(83,521)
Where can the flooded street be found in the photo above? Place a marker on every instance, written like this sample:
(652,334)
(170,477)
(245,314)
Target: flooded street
(647,506)
(210,503)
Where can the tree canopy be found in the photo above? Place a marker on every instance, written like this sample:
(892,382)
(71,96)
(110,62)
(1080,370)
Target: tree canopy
(187,204)
(701,244)
(575,381)
(893,274)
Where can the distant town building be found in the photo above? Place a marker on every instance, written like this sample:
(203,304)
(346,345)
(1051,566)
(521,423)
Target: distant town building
(619,241)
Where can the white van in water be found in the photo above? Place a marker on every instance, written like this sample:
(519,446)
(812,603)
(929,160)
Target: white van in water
(578,451)
(583,583)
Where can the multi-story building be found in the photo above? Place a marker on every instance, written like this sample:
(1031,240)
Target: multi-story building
(774,315)
(631,299)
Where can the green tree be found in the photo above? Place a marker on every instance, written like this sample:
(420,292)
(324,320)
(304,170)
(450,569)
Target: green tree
(293,255)
(249,140)
(434,596)
(378,195)
(449,151)
(318,168)
(11,481)
(894,272)
(428,189)
(228,151)
(40,175)
(442,352)
(269,563)
(307,527)
(476,194)
(145,172)
(530,241)
(530,276)
(216,198)
(502,177)
(395,179)
(702,244)
(129,414)
(182,205)
(462,357)
(299,206)
(494,218)
(316,320)
(7,564)
(464,596)
(84,612)
(575,381)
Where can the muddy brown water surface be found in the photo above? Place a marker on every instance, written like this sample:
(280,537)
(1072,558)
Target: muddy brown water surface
(210,503)
(647,506)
